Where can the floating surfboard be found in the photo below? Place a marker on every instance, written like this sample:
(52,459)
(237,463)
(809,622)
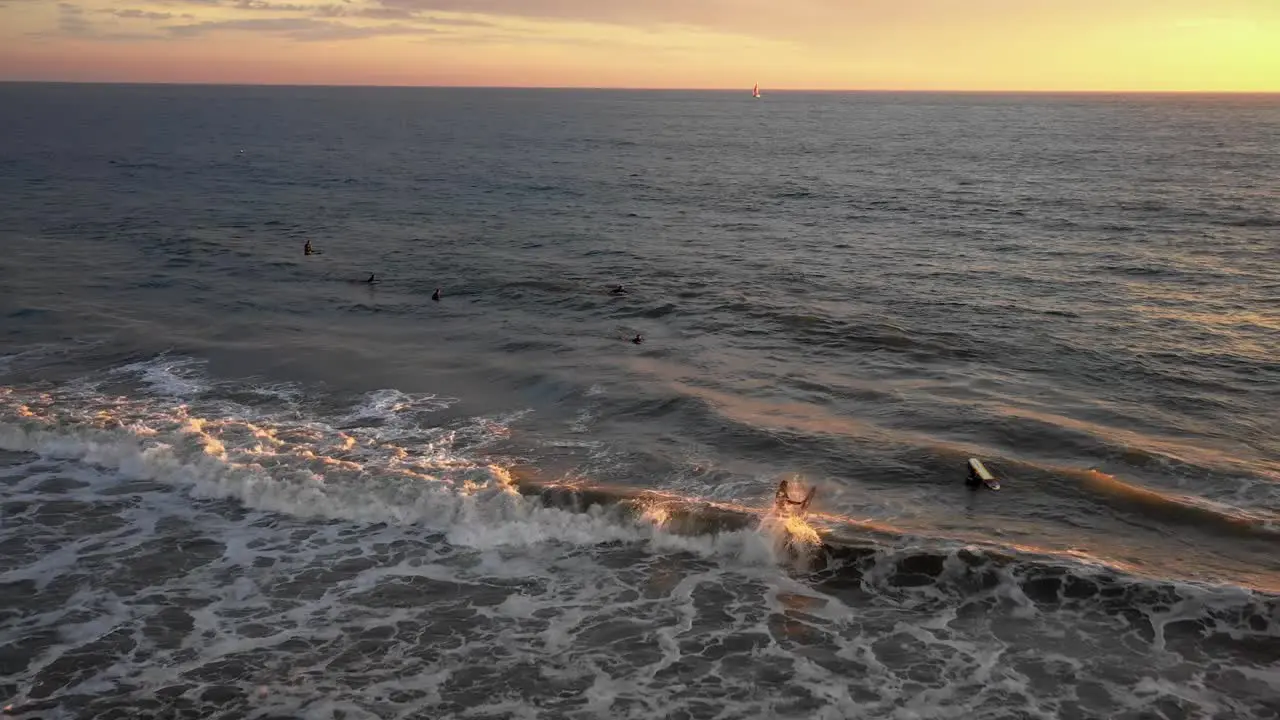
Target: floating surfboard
(979,474)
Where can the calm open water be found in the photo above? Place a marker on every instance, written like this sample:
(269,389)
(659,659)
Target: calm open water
(237,482)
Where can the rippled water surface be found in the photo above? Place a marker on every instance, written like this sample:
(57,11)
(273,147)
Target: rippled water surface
(237,481)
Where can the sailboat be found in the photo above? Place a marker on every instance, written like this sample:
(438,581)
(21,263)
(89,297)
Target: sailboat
(755,91)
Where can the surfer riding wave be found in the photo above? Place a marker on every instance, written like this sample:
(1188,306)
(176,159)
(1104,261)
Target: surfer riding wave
(782,501)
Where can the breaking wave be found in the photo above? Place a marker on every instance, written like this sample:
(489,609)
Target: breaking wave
(172,547)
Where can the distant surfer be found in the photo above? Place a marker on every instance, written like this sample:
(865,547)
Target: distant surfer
(782,498)
(618,290)
(637,339)
(306,249)
(436,295)
(372,278)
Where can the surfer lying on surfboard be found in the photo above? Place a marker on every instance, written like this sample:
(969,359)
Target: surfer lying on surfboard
(782,498)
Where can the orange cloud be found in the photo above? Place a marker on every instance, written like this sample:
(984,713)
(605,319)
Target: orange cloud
(874,44)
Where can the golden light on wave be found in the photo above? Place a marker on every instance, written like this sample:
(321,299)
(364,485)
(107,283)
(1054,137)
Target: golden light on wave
(299,457)
(655,513)
(1149,444)
(661,508)
(809,525)
(506,481)
(800,530)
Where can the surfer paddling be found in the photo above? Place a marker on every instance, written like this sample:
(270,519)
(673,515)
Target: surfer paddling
(782,498)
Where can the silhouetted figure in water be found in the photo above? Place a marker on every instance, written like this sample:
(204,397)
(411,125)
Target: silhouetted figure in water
(637,339)
(306,249)
(372,278)
(436,295)
(782,498)
(618,290)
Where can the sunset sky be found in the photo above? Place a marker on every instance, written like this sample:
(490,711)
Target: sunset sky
(1158,45)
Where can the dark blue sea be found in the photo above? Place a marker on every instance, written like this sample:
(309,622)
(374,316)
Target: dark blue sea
(237,481)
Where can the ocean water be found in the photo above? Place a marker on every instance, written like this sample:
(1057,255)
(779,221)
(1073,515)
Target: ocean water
(238,482)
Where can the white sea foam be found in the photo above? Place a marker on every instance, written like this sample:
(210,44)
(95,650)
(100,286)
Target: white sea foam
(177,377)
(393,407)
(369,567)
(315,470)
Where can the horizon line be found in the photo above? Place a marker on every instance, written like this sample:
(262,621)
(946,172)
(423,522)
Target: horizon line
(743,89)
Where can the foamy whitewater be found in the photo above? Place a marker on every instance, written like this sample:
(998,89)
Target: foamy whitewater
(173,551)
(236,482)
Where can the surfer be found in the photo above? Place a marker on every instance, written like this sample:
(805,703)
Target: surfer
(436,295)
(782,498)
(980,476)
(637,339)
(618,290)
(306,249)
(372,278)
